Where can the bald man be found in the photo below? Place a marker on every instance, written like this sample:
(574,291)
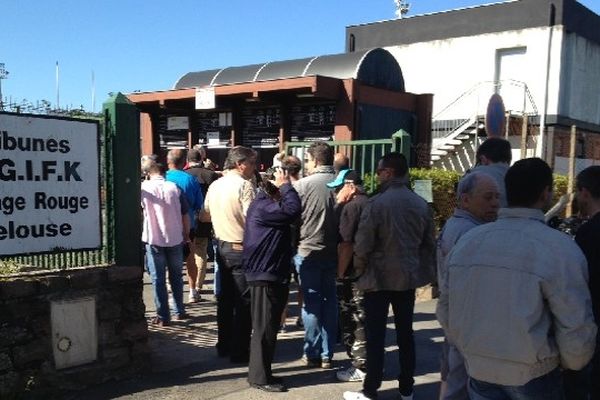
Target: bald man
(340,162)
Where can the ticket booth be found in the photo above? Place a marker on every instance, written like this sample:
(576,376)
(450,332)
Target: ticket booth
(346,96)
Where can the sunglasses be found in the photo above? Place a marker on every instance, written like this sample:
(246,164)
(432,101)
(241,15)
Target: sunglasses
(380,170)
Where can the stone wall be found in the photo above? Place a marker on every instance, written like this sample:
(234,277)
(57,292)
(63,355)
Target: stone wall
(27,367)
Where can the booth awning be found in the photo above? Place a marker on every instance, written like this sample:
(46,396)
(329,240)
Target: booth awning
(373,67)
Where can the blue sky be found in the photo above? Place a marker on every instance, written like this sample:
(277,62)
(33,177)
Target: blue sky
(148,44)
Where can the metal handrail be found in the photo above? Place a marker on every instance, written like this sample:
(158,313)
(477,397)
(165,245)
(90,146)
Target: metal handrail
(459,98)
(363,154)
(449,128)
(459,128)
(494,84)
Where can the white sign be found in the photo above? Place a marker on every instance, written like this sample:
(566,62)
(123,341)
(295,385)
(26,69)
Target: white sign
(213,137)
(49,175)
(423,188)
(205,98)
(225,119)
(178,123)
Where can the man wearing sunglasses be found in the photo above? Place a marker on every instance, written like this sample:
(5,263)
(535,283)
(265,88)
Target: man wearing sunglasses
(395,247)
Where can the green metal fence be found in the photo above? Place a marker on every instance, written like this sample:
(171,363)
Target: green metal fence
(363,154)
(119,188)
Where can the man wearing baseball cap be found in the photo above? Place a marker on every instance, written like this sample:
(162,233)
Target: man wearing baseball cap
(350,195)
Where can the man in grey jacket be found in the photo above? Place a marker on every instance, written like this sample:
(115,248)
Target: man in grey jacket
(515,299)
(317,255)
(395,246)
(478,200)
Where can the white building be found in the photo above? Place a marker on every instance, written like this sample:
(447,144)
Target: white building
(541,56)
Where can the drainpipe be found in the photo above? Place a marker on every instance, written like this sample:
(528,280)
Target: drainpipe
(539,152)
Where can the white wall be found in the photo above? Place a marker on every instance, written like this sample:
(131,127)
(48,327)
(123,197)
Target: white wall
(561,165)
(448,68)
(580,86)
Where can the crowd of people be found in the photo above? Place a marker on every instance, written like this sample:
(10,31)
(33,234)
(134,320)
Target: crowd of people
(518,299)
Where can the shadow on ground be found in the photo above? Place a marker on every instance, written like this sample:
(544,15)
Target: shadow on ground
(185,364)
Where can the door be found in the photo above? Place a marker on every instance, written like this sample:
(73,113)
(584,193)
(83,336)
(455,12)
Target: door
(511,73)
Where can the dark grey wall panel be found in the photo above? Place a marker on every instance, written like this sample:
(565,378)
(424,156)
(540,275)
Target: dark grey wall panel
(478,20)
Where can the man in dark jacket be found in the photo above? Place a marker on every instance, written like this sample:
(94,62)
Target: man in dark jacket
(353,199)
(578,384)
(266,256)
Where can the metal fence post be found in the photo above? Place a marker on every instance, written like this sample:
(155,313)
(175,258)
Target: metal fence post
(401,143)
(123,199)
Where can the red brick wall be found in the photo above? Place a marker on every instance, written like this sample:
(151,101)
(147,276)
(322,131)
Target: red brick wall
(562,143)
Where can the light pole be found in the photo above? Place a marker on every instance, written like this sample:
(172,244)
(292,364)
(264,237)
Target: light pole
(402,8)
(3,75)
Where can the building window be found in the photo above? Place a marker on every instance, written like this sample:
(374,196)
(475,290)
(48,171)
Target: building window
(351,43)
(580,148)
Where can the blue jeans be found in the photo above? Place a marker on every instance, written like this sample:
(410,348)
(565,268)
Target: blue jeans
(320,310)
(159,260)
(217,275)
(455,375)
(546,387)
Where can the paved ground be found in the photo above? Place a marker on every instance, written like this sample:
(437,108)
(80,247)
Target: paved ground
(185,365)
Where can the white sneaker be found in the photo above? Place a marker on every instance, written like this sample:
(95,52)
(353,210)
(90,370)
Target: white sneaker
(193,296)
(351,374)
(355,396)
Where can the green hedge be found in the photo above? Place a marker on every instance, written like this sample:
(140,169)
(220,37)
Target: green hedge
(560,186)
(444,183)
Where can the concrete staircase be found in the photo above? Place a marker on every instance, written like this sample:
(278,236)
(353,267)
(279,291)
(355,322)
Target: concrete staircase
(455,150)
(457,154)
(449,146)
(454,133)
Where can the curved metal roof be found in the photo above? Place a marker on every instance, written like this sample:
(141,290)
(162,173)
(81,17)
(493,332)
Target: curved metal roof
(374,67)
(284,69)
(193,78)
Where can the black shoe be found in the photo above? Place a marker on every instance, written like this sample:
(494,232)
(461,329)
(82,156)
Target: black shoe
(222,351)
(270,387)
(239,359)
(276,379)
(181,317)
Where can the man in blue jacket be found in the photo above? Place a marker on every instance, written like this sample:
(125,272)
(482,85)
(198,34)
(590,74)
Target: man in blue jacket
(266,256)
(192,191)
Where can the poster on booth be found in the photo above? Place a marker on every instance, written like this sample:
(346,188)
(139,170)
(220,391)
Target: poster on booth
(49,175)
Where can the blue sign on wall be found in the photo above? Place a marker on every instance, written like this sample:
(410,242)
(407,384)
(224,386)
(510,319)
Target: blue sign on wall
(495,119)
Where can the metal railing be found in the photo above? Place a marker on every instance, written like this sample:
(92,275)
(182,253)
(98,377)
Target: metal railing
(363,154)
(463,111)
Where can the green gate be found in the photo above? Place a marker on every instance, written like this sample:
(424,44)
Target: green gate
(120,198)
(363,154)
